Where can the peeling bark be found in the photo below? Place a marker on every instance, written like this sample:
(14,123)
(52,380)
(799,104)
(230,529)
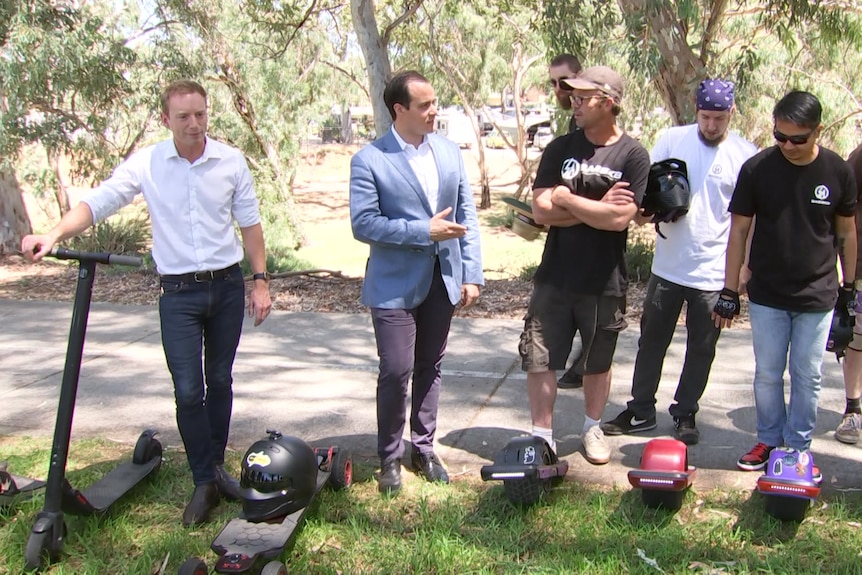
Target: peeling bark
(14,221)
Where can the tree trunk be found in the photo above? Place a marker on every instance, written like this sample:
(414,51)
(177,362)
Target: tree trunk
(14,221)
(376,60)
(680,69)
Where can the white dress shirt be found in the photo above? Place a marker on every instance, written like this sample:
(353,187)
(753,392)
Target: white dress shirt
(192,205)
(421,159)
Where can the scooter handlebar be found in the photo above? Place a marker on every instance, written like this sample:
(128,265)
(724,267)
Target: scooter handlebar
(102,258)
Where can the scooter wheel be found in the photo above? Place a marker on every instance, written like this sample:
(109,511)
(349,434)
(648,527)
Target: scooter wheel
(40,551)
(274,568)
(146,448)
(193,566)
(342,470)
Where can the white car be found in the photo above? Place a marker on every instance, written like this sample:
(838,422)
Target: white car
(543,137)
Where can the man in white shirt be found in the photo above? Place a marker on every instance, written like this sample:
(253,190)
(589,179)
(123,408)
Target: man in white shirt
(688,265)
(195,188)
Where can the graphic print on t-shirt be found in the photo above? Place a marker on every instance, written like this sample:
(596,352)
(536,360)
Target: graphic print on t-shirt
(588,180)
(821,195)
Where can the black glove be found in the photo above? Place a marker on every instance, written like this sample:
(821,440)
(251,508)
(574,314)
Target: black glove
(727,305)
(847,298)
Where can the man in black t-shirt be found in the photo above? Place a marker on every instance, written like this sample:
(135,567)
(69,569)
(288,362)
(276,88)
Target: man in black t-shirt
(588,188)
(804,198)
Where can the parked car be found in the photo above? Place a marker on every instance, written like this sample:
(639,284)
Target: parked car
(495,140)
(543,137)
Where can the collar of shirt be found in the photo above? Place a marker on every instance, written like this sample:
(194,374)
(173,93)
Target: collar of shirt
(422,161)
(405,147)
(210,151)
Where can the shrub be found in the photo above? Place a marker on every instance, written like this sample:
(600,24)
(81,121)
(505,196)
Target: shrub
(639,254)
(119,235)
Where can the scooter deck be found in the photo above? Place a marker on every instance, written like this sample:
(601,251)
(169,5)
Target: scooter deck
(241,543)
(14,487)
(102,494)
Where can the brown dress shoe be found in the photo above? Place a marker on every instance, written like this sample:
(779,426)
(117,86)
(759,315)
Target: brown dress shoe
(428,465)
(204,499)
(228,487)
(389,482)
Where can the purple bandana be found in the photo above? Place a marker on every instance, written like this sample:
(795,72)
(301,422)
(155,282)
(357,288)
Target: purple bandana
(715,95)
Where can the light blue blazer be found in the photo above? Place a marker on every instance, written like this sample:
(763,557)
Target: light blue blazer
(390,212)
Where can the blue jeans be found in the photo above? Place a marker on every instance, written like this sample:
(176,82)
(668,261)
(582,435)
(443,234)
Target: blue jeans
(774,331)
(202,318)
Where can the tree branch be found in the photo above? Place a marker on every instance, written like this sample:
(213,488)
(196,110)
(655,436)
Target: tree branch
(387,33)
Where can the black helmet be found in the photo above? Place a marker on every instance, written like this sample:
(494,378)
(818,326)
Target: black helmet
(840,334)
(279,476)
(668,193)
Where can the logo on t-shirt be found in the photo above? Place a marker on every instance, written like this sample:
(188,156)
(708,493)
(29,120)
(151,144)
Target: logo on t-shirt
(572,168)
(821,196)
(716,169)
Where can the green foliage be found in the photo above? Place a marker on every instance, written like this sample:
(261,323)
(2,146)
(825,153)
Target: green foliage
(639,255)
(117,235)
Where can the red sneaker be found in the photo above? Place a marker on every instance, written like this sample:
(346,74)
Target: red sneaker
(755,459)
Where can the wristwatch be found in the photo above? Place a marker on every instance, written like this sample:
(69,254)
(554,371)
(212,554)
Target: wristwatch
(261,276)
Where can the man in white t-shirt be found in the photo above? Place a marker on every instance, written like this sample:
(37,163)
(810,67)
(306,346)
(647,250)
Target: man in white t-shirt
(688,265)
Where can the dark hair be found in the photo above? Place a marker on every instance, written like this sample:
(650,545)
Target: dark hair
(801,108)
(568,60)
(180,87)
(396,91)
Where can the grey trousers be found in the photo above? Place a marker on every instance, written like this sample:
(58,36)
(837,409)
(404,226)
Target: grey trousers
(661,310)
(410,342)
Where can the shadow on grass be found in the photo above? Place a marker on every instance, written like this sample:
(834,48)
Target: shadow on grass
(758,526)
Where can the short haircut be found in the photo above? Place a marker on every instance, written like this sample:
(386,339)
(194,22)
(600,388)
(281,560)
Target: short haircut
(568,60)
(801,108)
(180,87)
(397,92)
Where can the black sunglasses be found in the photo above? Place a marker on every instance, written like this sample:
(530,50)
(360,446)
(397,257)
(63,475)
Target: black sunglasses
(797,140)
(553,83)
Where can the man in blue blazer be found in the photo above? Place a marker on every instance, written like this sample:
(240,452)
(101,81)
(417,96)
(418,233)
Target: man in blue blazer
(410,200)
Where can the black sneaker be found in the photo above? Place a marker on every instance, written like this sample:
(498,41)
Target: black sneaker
(627,422)
(685,430)
(571,380)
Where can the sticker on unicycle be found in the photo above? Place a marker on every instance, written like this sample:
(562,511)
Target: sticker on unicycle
(529,455)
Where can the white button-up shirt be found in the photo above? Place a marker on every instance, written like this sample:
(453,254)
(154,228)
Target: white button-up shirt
(421,159)
(192,205)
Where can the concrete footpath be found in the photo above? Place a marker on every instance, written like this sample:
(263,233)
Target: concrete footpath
(313,375)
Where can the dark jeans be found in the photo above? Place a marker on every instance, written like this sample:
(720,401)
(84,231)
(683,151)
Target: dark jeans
(662,307)
(410,341)
(202,318)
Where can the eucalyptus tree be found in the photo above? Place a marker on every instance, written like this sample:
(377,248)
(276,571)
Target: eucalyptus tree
(374,24)
(264,59)
(68,84)
(673,44)
(467,47)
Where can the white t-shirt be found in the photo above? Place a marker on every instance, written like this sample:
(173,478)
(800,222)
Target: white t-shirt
(693,253)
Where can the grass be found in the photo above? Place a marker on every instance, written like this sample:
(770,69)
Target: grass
(467,527)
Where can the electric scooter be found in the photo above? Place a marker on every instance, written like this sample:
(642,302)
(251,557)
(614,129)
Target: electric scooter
(49,531)
(242,545)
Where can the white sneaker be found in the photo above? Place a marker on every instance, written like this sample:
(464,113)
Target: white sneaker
(848,430)
(596,448)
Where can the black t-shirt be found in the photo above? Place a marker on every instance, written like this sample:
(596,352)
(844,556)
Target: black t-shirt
(794,247)
(581,258)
